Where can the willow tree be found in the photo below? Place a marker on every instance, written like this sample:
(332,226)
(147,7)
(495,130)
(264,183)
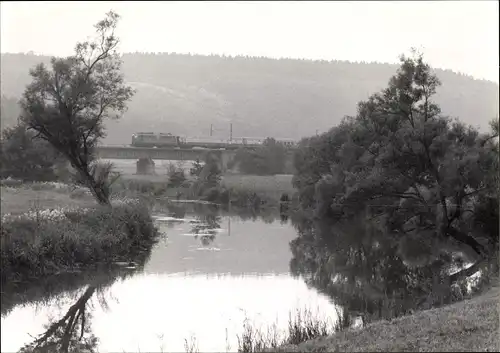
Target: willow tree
(68,103)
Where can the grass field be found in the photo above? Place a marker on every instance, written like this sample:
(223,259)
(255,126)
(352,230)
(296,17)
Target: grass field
(23,199)
(468,326)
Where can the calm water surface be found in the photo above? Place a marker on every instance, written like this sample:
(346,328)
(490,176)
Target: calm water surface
(202,280)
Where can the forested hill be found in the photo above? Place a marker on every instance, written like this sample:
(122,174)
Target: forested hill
(184,94)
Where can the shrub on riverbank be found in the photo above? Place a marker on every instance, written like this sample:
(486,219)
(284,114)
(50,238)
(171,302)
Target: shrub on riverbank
(42,243)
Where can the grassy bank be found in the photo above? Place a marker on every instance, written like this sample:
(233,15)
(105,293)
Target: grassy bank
(469,325)
(37,241)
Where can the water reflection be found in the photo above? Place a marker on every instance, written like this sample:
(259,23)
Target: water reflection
(214,269)
(71,333)
(369,273)
(177,306)
(71,330)
(205,227)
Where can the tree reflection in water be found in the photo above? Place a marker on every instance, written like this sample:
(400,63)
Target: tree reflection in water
(365,271)
(72,332)
(205,226)
(208,219)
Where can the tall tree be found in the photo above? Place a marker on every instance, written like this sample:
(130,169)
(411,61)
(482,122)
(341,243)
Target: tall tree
(420,174)
(68,104)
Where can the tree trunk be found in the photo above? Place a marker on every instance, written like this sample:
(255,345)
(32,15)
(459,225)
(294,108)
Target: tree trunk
(68,322)
(465,239)
(99,194)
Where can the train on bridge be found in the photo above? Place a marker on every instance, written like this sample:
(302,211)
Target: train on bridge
(159,140)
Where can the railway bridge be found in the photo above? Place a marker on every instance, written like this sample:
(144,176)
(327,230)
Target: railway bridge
(171,154)
(224,156)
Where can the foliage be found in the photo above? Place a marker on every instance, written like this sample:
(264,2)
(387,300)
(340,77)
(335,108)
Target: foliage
(211,173)
(196,168)
(176,176)
(418,173)
(269,159)
(44,243)
(395,201)
(27,158)
(209,177)
(68,104)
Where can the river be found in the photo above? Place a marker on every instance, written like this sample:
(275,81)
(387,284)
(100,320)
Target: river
(212,272)
(201,281)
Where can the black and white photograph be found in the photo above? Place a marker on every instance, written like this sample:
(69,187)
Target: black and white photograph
(249,176)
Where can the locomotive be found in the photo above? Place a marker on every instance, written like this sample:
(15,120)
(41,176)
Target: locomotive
(151,139)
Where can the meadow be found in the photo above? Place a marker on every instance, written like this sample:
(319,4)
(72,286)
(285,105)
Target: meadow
(21,198)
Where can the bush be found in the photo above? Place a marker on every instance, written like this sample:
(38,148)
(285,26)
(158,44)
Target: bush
(45,242)
(176,176)
(28,158)
(196,168)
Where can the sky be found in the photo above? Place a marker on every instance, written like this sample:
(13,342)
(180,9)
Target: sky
(459,35)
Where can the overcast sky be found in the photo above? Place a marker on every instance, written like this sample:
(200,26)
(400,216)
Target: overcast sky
(458,35)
